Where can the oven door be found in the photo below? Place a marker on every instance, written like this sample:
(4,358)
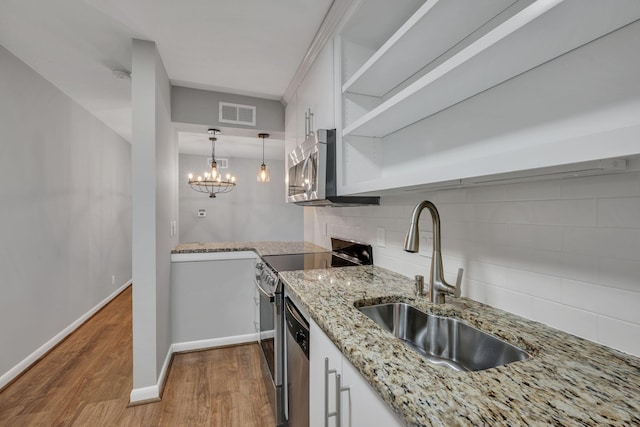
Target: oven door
(306,172)
(271,344)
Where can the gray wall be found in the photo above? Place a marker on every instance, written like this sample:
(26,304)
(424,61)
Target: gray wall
(65,213)
(252,211)
(200,107)
(154,207)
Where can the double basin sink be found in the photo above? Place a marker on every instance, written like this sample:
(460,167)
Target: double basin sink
(443,340)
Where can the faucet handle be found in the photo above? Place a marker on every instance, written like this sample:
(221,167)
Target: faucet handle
(458,290)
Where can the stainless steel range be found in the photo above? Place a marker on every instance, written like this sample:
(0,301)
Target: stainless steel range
(272,325)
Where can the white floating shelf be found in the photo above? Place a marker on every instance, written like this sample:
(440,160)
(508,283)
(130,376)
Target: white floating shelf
(420,41)
(539,33)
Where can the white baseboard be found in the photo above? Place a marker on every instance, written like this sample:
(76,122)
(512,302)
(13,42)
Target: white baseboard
(14,372)
(214,342)
(143,394)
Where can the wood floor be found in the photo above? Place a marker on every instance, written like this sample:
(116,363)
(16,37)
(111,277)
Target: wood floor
(86,381)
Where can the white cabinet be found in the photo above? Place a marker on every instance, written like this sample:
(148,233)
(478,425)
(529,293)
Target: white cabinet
(333,377)
(213,301)
(446,91)
(315,94)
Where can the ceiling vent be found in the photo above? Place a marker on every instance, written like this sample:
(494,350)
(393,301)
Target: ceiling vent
(237,114)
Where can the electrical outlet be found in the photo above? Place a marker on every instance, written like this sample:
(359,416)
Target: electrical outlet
(381,238)
(113,280)
(202,213)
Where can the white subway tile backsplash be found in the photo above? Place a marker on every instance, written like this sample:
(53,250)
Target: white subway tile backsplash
(539,190)
(487,273)
(611,242)
(486,194)
(564,212)
(534,284)
(508,256)
(619,273)
(502,212)
(614,185)
(578,322)
(514,302)
(619,212)
(453,212)
(527,235)
(566,265)
(474,290)
(458,195)
(611,302)
(623,336)
(564,252)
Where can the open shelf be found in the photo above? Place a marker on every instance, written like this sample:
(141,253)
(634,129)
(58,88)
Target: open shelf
(539,33)
(397,60)
(581,107)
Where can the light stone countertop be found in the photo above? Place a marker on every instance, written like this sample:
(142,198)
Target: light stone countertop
(569,381)
(261,248)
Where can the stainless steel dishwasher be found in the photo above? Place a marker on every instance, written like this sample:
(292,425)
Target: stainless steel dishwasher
(297,366)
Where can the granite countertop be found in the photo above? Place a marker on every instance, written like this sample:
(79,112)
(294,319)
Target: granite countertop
(568,381)
(261,248)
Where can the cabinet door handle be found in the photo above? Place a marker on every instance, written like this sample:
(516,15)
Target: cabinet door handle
(328,414)
(339,390)
(306,125)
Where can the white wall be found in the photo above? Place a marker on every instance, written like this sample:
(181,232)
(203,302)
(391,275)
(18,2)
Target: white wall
(65,213)
(565,252)
(252,211)
(154,207)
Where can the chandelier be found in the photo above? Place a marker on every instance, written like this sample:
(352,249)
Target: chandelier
(212,182)
(263,171)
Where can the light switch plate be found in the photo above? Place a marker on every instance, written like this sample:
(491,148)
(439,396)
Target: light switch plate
(381,238)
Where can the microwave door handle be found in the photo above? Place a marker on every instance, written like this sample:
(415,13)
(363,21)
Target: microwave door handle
(304,174)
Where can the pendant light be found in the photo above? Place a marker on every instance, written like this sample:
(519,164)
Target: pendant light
(263,172)
(212,183)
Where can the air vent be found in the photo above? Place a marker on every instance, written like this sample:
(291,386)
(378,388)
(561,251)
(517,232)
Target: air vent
(221,163)
(237,114)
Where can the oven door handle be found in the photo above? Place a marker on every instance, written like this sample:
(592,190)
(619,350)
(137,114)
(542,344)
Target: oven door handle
(270,297)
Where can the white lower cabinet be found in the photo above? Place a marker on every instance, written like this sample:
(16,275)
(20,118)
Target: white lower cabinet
(333,377)
(213,299)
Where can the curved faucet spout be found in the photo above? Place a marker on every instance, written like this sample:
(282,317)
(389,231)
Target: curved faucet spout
(437,284)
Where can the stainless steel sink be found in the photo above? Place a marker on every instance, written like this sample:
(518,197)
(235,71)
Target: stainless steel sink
(444,340)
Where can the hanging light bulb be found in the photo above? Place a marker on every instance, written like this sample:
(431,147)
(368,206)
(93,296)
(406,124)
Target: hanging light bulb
(263,171)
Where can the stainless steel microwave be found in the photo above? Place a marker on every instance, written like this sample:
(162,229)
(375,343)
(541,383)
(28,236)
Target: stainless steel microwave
(312,174)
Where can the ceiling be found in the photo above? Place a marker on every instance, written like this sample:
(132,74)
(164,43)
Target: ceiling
(248,47)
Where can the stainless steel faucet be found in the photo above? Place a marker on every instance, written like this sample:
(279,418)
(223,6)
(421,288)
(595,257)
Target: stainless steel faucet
(438,286)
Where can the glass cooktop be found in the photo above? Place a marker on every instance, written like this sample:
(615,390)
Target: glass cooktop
(308,261)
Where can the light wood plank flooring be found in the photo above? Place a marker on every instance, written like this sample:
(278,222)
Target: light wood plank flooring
(86,381)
